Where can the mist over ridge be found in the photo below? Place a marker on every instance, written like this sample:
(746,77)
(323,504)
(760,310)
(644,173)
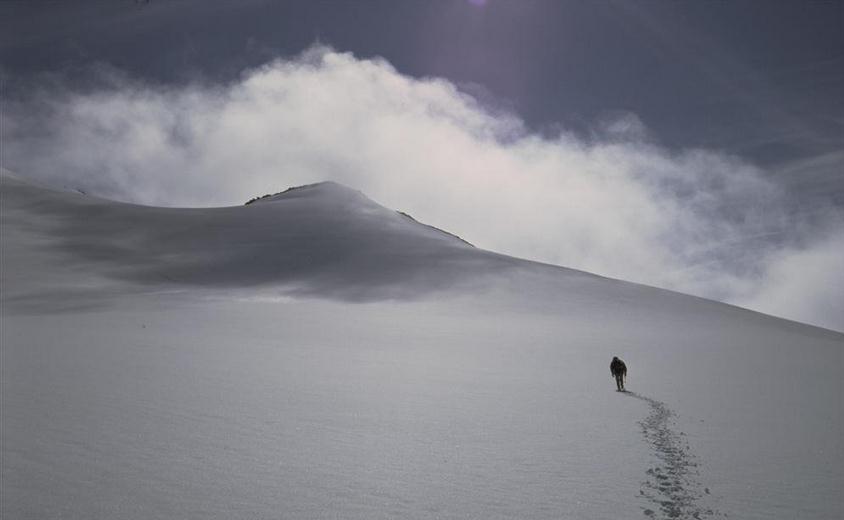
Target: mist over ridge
(617,203)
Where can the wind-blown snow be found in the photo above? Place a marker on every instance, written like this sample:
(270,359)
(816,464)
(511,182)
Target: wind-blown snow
(316,355)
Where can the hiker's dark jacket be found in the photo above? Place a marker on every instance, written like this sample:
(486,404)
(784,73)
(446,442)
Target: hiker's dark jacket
(618,368)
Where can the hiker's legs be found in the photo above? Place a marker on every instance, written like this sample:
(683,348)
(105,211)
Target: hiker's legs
(618,383)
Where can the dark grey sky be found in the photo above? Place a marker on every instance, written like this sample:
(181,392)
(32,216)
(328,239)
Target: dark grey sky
(762,79)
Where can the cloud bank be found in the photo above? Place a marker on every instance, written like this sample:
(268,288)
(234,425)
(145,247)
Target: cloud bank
(615,202)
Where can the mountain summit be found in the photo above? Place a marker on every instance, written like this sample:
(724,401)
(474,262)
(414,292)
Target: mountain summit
(319,239)
(323,190)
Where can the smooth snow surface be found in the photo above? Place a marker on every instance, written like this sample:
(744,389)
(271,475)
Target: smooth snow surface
(315,355)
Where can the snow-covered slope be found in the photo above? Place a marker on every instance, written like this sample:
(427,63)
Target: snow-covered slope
(323,239)
(316,355)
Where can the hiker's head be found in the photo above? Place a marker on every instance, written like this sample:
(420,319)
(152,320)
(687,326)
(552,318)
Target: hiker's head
(615,358)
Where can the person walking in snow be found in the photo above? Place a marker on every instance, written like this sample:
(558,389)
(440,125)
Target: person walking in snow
(619,371)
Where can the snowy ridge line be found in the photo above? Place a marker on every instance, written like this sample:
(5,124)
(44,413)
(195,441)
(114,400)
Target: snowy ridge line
(671,486)
(405,215)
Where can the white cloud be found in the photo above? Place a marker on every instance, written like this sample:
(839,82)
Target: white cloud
(616,204)
(804,285)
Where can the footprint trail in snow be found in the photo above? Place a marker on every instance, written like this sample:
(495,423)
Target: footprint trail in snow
(671,486)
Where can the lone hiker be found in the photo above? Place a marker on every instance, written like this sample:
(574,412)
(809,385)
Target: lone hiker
(619,371)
